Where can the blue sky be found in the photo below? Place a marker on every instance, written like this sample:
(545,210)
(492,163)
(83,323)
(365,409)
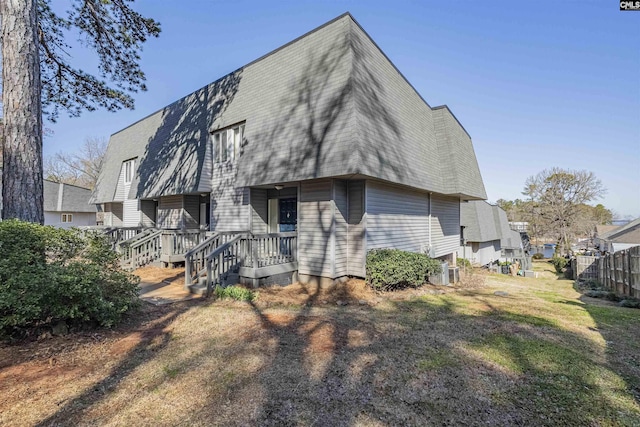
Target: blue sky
(536,84)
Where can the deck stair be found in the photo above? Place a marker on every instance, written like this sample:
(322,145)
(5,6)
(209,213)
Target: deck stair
(140,250)
(223,258)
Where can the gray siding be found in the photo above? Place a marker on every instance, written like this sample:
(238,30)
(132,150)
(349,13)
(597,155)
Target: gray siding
(113,214)
(397,218)
(356,251)
(481,253)
(148,213)
(170,212)
(230,209)
(315,240)
(340,197)
(79,219)
(131,215)
(121,192)
(191,211)
(259,210)
(445,224)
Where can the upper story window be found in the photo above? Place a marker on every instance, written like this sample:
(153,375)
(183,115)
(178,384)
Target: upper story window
(129,169)
(226,144)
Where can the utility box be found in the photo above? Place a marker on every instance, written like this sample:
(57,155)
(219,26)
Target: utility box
(443,277)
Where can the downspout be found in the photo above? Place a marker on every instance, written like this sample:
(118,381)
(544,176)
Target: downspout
(430,248)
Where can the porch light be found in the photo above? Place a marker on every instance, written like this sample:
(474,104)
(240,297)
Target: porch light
(279,187)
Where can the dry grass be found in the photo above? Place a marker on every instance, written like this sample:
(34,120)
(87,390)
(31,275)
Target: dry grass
(539,355)
(151,274)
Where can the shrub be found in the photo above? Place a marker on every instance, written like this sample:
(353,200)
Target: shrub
(630,302)
(559,263)
(237,293)
(608,295)
(49,274)
(537,255)
(464,263)
(389,269)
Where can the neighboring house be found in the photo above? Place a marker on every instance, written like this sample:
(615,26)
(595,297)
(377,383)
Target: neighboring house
(519,226)
(323,137)
(487,235)
(67,206)
(618,238)
(510,240)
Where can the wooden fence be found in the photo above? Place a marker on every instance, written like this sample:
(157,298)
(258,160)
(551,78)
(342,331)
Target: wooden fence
(618,272)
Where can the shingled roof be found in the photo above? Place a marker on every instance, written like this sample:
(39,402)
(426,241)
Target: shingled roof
(484,222)
(329,103)
(66,198)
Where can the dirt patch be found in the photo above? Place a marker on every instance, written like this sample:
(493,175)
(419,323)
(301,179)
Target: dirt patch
(150,274)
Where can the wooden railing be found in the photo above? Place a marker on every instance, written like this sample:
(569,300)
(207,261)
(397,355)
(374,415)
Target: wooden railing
(224,260)
(238,250)
(121,246)
(179,242)
(116,235)
(271,249)
(195,260)
(140,252)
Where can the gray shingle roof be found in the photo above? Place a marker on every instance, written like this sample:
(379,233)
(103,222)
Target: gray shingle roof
(66,198)
(330,103)
(484,222)
(628,233)
(478,219)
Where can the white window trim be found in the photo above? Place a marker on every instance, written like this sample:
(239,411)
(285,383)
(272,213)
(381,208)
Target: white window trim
(66,218)
(129,170)
(222,152)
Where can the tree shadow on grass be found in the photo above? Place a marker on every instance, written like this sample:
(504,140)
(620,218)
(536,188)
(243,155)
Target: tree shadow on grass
(140,346)
(435,360)
(424,362)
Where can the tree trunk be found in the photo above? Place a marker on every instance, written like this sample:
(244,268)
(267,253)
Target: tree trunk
(22,135)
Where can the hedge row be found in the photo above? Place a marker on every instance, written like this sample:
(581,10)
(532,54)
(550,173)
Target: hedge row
(49,274)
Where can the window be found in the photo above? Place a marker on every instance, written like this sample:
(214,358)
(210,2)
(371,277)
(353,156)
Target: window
(226,144)
(67,218)
(129,169)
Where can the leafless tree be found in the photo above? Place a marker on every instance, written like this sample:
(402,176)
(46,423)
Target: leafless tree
(81,168)
(558,195)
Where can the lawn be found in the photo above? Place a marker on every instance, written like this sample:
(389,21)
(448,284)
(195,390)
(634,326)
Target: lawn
(541,354)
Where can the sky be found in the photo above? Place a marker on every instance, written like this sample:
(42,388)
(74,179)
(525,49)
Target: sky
(536,84)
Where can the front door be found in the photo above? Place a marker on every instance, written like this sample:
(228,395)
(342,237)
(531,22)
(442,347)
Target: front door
(288,214)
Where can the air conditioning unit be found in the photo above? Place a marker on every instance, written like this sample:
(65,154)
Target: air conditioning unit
(443,277)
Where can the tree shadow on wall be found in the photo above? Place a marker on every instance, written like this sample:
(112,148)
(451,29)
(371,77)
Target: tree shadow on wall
(175,161)
(319,118)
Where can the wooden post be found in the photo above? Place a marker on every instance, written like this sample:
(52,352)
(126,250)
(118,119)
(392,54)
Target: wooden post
(634,269)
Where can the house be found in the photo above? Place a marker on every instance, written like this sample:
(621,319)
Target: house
(617,238)
(67,205)
(486,234)
(322,142)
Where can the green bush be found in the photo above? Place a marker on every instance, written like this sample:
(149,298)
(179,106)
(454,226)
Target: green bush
(49,274)
(463,263)
(237,293)
(559,263)
(630,303)
(389,269)
(537,255)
